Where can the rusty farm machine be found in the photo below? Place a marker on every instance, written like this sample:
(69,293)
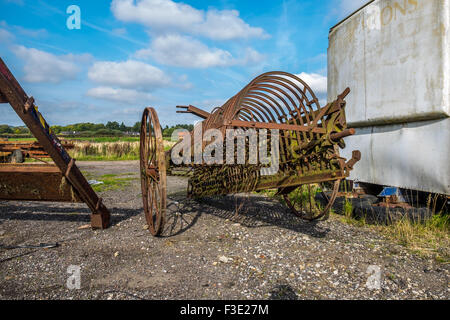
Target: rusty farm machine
(61,181)
(280,104)
(309,137)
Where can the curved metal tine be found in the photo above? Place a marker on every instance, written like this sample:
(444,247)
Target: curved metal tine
(281,95)
(267,114)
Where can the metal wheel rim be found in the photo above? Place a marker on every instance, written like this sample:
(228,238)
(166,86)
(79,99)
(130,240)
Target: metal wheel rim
(323,214)
(152,159)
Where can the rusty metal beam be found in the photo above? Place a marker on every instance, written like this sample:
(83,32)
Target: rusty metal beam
(297,180)
(25,181)
(194,110)
(342,134)
(270,125)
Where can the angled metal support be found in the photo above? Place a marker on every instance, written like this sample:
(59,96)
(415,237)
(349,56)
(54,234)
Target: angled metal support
(194,110)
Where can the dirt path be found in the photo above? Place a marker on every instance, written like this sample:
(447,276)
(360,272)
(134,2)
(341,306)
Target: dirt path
(207,252)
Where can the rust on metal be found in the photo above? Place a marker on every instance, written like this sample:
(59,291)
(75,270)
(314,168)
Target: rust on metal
(25,108)
(26,181)
(29,149)
(153,171)
(3,99)
(191,109)
(310,167)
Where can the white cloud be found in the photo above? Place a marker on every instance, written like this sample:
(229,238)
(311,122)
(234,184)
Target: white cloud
(167,15)
(128,111)
(5,35)
(120,95)
(41,66)
(225,25)
(252,56)
(184,51)
(31,33)
(129,74)
(316,82)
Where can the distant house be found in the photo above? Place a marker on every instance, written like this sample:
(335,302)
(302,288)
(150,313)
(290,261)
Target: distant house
(182,134)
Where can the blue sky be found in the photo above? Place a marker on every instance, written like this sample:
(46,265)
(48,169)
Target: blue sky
(130,54)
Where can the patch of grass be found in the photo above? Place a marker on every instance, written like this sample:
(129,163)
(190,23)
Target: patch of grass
(348,216)
(102,148)
(109,175)
(111,182)
(104,139)
(428,238)
(105,151)
(109,151)
(22,139)
(167,146)
(269,193)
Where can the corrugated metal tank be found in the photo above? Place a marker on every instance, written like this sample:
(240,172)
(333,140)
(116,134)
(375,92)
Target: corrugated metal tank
(395,57)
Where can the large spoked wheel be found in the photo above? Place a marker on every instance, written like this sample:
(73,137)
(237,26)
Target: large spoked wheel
(153,171)
(312,201)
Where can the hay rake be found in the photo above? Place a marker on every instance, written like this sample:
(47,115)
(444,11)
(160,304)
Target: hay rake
(309,137)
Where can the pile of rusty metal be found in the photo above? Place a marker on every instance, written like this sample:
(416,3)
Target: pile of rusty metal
(61,181)
(309,137)
(28,149)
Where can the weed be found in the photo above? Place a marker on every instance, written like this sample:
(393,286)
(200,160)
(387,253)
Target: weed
(428,238)
(108,151)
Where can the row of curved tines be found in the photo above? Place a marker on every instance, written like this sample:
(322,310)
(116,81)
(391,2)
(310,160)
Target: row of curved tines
(275,97)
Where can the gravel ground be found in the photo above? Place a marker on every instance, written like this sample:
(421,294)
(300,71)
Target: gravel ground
(207,251)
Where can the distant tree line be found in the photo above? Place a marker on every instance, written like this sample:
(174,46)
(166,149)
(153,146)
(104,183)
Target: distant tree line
(5,129)
(167,131)
(111,128)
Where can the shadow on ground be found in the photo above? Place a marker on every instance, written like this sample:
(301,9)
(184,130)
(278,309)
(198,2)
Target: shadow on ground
(35,211)
(251,211)
(283,292)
